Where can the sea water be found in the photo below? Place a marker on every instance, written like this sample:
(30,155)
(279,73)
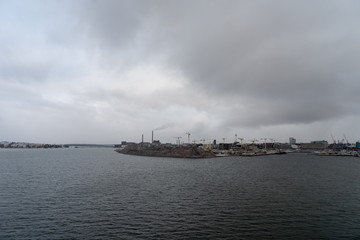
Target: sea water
(96,193)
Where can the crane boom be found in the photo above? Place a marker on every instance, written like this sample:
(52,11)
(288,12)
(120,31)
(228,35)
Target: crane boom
(333,138)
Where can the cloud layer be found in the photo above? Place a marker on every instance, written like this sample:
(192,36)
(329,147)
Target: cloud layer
(106,71)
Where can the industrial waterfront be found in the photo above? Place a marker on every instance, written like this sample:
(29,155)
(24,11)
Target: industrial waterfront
(237,147)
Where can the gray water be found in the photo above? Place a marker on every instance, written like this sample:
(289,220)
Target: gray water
(101,194)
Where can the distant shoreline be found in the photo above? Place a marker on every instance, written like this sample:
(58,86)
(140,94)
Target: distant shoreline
(27,145)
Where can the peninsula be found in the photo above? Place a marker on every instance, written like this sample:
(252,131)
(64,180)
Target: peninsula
(152,150)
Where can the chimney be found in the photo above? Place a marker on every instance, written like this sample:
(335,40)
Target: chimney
(152,136)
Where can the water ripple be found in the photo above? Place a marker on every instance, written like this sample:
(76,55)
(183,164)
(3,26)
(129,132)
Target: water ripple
(100,194)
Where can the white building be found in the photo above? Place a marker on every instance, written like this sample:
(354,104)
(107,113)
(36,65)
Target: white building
(292,140)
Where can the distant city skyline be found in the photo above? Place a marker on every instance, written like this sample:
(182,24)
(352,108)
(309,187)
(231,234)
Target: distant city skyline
(109,71)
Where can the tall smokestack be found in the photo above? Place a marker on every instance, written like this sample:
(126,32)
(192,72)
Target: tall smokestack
(142,138)
(152,136)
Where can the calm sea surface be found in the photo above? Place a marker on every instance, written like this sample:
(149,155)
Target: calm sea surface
(100,194)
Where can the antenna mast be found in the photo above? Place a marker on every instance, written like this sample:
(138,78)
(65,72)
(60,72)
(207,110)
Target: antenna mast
(188,134)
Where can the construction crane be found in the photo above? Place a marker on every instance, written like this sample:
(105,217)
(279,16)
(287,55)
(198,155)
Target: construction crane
(253,141)
(347,142)
(273,142)
(333,138)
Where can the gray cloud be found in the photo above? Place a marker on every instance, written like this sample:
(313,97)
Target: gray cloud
(297,53)
(239,64)
(294,55)
(114,23)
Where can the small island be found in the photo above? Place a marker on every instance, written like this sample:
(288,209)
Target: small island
(152,150)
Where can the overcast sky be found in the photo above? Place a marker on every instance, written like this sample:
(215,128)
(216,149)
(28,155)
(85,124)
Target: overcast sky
(107,71)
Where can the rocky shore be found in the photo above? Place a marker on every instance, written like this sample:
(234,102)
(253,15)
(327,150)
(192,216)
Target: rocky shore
(166,151)
(5,144)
